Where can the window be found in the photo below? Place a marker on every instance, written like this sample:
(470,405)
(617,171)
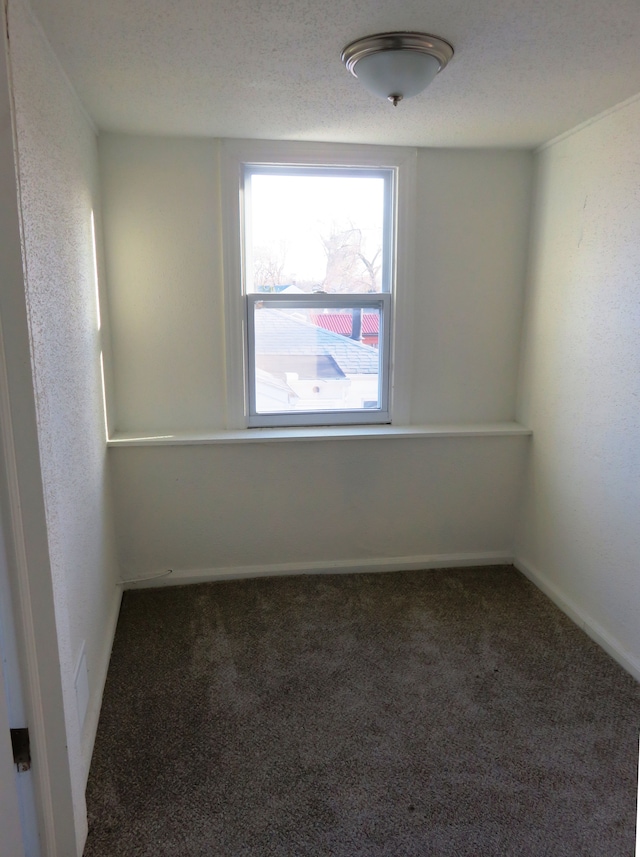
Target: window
(317,281)
(311,285)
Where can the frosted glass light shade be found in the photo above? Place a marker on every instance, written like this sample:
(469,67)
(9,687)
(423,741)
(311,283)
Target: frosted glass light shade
(396,65)
(389,73)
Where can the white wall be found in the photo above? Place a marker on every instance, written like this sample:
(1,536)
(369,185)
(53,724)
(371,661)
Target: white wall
(234,506)
(579,535)
(58,190)
(472,230)
(222,507)
(162,221)
(162,230)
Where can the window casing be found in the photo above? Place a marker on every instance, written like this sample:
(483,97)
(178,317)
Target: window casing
(276,386)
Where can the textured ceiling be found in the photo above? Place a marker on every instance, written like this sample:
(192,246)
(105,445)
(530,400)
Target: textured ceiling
(523,71)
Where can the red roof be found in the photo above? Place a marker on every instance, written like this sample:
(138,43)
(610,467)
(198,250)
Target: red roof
(341,322)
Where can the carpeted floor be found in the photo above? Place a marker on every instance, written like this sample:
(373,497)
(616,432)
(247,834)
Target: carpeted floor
(453,713)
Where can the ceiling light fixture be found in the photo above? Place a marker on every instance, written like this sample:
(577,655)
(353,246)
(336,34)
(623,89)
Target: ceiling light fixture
(396,65)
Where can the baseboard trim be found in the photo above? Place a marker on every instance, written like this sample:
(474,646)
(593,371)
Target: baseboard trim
(179,577)
(582,619)
(95,702)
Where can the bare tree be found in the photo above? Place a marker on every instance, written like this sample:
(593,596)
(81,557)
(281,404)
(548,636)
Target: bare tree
(372,267)
(269,266)
(349,268)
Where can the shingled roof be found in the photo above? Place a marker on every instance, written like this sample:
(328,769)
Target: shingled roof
(276,332)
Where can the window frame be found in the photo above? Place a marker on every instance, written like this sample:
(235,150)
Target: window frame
(236,155)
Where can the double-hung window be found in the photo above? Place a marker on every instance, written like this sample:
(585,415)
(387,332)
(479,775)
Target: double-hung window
(313,289)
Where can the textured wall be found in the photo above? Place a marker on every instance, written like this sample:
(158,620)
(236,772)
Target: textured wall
(58,181)
(580,392)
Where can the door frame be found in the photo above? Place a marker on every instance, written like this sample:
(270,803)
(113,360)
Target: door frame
(10,809)
(22,498)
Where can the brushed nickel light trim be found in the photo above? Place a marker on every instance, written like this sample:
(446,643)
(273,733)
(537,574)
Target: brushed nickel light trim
(422,43)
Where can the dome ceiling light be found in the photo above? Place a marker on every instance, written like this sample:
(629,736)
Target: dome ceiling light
(396,65)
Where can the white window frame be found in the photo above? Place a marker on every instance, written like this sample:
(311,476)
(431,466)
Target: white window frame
(235,156)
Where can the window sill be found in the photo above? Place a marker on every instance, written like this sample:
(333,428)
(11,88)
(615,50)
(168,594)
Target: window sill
(317,433)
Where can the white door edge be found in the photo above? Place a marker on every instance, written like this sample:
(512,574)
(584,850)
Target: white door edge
(10,809)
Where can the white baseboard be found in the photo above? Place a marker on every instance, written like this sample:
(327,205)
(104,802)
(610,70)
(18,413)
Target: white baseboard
(95,702)
(582,619)
(178,577)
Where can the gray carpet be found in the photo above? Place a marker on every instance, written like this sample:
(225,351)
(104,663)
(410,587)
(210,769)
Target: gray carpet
(453,712)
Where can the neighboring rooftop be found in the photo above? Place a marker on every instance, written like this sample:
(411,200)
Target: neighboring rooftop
(278,333)
(343,322)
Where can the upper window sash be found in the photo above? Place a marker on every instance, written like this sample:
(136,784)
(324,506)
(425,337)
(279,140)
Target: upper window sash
(388,176)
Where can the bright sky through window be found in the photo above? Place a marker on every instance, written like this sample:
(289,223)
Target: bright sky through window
(298,221)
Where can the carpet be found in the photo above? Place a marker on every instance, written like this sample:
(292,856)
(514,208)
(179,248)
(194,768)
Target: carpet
(454,712)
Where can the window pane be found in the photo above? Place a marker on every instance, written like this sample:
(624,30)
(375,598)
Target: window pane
(309,233)
(310,359)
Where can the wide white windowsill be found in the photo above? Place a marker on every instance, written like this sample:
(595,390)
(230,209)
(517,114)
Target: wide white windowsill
(275,435)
